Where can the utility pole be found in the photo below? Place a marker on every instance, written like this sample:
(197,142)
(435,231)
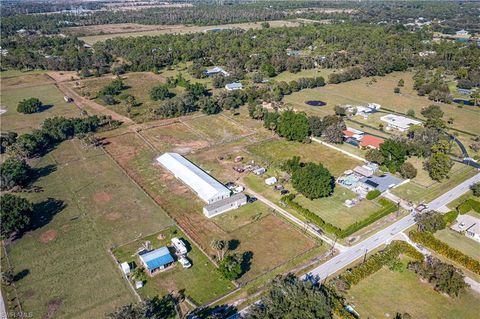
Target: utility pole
(365,256)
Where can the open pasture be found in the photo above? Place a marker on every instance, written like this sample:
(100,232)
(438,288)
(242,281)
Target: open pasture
(88,205)
(49,94)
(380,90)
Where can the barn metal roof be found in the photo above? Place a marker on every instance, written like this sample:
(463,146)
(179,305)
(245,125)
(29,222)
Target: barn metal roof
(198,180)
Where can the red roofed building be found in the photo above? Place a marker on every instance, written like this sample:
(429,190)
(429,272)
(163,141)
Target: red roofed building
(371,142)
(348,133)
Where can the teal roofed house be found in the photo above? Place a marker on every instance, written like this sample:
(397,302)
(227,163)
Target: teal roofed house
(157,259)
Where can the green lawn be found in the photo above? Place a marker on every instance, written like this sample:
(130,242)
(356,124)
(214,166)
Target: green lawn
(386,293)
(461,242)
(332,209)
(276,151)
(418,193)
(202,282)
(48,94)
(88,205)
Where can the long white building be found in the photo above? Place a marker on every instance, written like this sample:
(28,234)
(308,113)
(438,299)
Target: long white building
(204,185)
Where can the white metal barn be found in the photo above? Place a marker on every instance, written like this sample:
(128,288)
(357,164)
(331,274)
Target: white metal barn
(204,185)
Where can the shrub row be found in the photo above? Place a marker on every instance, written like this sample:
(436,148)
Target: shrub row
(468,205)
(375,262)
(373,194)
(450,217)
(428,240)
(388,207)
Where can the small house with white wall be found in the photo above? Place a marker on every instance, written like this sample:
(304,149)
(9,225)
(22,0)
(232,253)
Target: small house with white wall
(397,122)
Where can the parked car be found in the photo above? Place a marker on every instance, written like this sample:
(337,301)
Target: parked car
(185,262)
(179,246)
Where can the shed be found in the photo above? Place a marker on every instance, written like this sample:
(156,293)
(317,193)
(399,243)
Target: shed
(224,205)
(157,259)
(125,268)
(271,180)
(234,86)
(259,171)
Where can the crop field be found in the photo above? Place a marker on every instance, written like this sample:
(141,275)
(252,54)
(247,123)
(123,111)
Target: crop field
(380,91)
(136,30)
(49,94)
(386,293)
(276,151)
(257,237)
(332,209)
(202,282)
(461,242)
(417,193)
(88,205)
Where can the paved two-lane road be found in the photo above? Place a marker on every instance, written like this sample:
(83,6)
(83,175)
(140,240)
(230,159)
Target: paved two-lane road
(384,236)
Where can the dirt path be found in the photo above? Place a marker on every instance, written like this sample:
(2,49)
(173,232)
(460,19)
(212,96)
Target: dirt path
(87,104)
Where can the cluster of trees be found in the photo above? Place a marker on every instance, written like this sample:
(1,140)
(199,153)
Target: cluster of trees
(154,308)
(430,221)
(291,297)
(431,83)
(29,106)
(264,51)
(53,131)
(444,277)
(313,180)
(52,53)
(345,76)
(110,90)
(14,172)
(231,265)
(16,215)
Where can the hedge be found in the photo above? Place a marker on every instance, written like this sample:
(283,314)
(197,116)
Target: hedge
(388,207)
(468,205)
(373,194)
(428,240)
(376,261)
(450,217)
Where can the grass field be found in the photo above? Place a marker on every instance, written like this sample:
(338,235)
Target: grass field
(48,94)
(202,282)
(386,293)
(242,216)
(418,193)
(88,205)
(262,237)
(364,90)
(461,242)
(138,84)
(276,151)
(332,210)
(217,128)
(134,30)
